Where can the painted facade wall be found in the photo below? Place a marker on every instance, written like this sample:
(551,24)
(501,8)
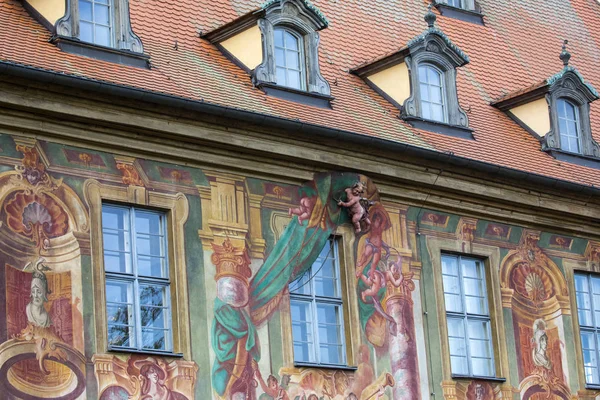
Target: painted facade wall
(236,242)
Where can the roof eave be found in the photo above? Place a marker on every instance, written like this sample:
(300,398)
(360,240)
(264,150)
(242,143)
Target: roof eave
(110,89)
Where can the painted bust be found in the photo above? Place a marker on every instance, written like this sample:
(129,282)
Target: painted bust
(36,312)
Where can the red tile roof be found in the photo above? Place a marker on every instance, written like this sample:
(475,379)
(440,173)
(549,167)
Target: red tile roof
(517,48)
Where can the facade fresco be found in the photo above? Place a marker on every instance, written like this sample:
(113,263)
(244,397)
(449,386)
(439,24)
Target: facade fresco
(239,243)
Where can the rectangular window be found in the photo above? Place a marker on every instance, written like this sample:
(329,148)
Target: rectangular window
(468,316)
(317,311)
(137,279)
(95,22)
(587,290)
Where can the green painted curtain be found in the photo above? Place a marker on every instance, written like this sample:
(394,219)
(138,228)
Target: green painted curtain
(292,255)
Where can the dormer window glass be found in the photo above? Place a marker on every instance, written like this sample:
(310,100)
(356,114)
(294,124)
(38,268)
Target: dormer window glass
(464,4)
(431,85)
(289,59)
(568,126)
(95,23)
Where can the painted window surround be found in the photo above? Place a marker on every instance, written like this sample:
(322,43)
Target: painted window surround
(177,210)
(305,20)
(127,47)
(570,85)
(345,238)
(491,258)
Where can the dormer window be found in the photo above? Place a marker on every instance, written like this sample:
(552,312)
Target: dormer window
(465,10)
(95,22)
(432,60)
(431,86)
(568,125)
(100,29)
(556,111)
(290,41)
(289,59)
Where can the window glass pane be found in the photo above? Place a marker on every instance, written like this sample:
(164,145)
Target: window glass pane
(280,58)
(292,60)
(86,31)
(153,317)
(584,309)
(102,35)
(590,361)
(151,266)
(101,14)
(422,74)
(117,262)
(573,145)
(281,79)
(581,283)
(434,77)
(569,110)
(331,354)
(329,324)
(437,113)
(153,295)
(153,339)
(450,265)
(436,95)
(453,303)
(114,217)
(279,37)
(148,222)
(294,79)
(85,10)
(424,92)
(482,366)
(120,313)
(426,110)
(459,365)
(476,305)
(451,284)
(291,41)
(123,336)
(149,245)
(302,330)
(102,1)
(302,285)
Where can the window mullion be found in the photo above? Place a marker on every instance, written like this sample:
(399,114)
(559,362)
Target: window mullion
(134,267)
(465,315)
(316,338)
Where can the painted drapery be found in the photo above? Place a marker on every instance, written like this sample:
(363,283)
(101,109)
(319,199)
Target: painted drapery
(292,256)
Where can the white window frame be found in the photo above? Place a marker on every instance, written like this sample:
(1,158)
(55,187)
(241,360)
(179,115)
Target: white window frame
(137,280)
(593,329)
(466,317)
(565,136)
(314,301)
(301,58)
(429,85)
(111,26)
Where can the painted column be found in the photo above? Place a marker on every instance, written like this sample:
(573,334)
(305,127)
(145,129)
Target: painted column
(403,346)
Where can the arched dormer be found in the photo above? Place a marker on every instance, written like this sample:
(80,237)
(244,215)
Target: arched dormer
(430,53)
(292,19)
(569,98)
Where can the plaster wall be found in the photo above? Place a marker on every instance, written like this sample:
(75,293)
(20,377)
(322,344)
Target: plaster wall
(52,10)
(246,47)
(535,115)
(393,81)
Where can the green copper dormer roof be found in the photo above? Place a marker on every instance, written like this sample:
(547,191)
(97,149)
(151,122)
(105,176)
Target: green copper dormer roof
(309,5)
(436,31)
(557,77)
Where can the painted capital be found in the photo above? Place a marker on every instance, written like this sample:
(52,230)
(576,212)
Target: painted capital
(233,271)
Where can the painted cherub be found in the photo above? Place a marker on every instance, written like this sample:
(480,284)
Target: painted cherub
(304,210)
(355,205)
(394,274)
(374,244)
(272,388)
(374,283)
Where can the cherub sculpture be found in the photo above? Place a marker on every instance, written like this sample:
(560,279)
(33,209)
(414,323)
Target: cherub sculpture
(357,206)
